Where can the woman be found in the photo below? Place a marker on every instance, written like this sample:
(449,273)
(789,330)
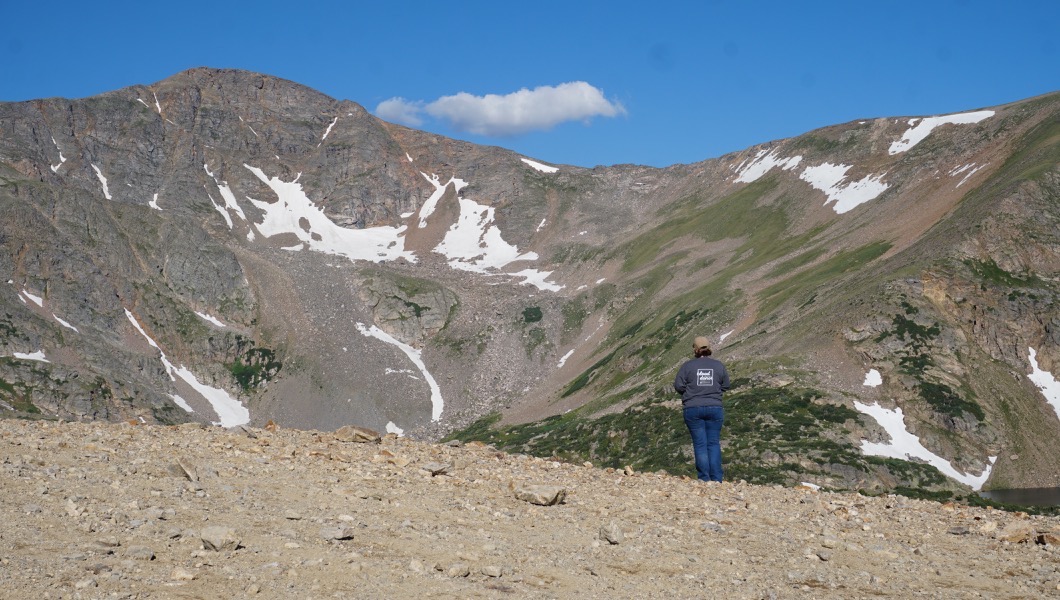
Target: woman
(701,382)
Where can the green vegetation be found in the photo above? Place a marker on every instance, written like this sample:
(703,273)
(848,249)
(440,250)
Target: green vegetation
(990,272)
(253,366)
(812,279)
(532,314)
(771,435)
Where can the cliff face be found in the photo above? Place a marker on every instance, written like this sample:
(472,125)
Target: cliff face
(224,246)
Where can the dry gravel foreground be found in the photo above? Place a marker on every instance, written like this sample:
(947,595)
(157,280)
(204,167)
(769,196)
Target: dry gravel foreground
(97,510)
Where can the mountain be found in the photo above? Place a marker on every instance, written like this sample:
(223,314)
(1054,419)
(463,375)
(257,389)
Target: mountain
(229,247)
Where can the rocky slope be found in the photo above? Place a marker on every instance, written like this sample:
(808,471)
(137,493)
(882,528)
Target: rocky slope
(98,510)
(225,246)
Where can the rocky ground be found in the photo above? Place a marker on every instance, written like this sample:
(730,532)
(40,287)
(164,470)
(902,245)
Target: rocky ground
(96,510)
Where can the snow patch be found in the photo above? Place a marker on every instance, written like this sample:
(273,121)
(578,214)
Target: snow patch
(62,158)
(957,171)
(392,428)
(762,163)
(230,411)
(541,224)
(154,203)
(828,177)
(539,166)
(181,403)
(872,378)
(35,299)
(103,180)
(563,361)
(214,320)
(329,129)
(439,190)
(437,403)
(37,356)
(375,244)
(920,129)
(906,446)
(721,338)
(157,105)
(408,156)
(1045,382)
(64,323)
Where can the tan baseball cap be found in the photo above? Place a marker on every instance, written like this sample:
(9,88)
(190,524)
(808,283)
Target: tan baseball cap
(700,343)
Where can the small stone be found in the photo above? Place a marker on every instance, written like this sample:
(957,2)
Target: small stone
(86,583)
(453,444)
(182,574)
(542,495)
(353,433)
(491,571)
(611,533)
(435,468)
(1019,532)
(253,589)
(291,515)
(140,553)
(459,570)
(219,538)
(337,533)
(959,530)
(825,555)
(628,470)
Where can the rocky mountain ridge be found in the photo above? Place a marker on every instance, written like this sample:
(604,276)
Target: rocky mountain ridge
(227,246)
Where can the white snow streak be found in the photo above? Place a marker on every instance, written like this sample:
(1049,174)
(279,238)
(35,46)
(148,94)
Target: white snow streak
(392,428)
(214,320)
(375,244)
(36,299)
(437,404)
(157,105)
(906,446)
(918,131)
(103,180)
(721,338)
(541,224)
(563,361)
(37,356)
(408,156)
(154,203)
(230,411)
(329,129)
(827,178)
(64,323)
(539,166)
(873,378)
(141,101)
(62,158)
(959,170)
(762,163)
(181,403)
(1045,382)
(439,190)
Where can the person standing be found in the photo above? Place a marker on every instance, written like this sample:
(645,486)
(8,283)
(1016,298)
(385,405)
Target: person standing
(701,382)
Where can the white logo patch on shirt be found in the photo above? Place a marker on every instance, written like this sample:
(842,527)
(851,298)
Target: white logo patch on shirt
(704,377)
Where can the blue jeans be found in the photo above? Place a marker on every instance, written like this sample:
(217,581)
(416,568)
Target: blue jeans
(704,424)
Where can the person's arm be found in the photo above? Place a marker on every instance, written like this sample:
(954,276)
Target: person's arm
(679,382)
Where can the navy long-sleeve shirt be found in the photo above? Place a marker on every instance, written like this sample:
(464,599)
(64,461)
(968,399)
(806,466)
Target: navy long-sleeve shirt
(701,382)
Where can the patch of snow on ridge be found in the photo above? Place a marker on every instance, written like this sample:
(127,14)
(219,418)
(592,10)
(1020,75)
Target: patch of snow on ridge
(62,158)
(154,203)
(439,190)
(539,166)
(375,244)
(563,360)
(873,378)
(36,299)
(64,323)
(957,171)
(919,130)
(206,317)
(437,403)
(230,411)
(181,403)
(157,105)
(762,163)
(1045,382)
(906,446)
(392,428)
(722,337)
(103,180)
(329,129)
(37,356)
(228,196)
(827,178)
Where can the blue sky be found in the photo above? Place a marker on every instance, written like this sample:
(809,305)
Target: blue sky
(581,83)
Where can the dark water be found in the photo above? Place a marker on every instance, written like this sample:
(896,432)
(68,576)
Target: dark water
(1025,496)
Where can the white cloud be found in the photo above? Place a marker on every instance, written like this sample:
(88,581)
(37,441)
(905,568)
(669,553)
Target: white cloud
(520,112)
(400,110)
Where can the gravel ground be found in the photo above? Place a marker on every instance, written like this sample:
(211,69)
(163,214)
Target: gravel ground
(97,510)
